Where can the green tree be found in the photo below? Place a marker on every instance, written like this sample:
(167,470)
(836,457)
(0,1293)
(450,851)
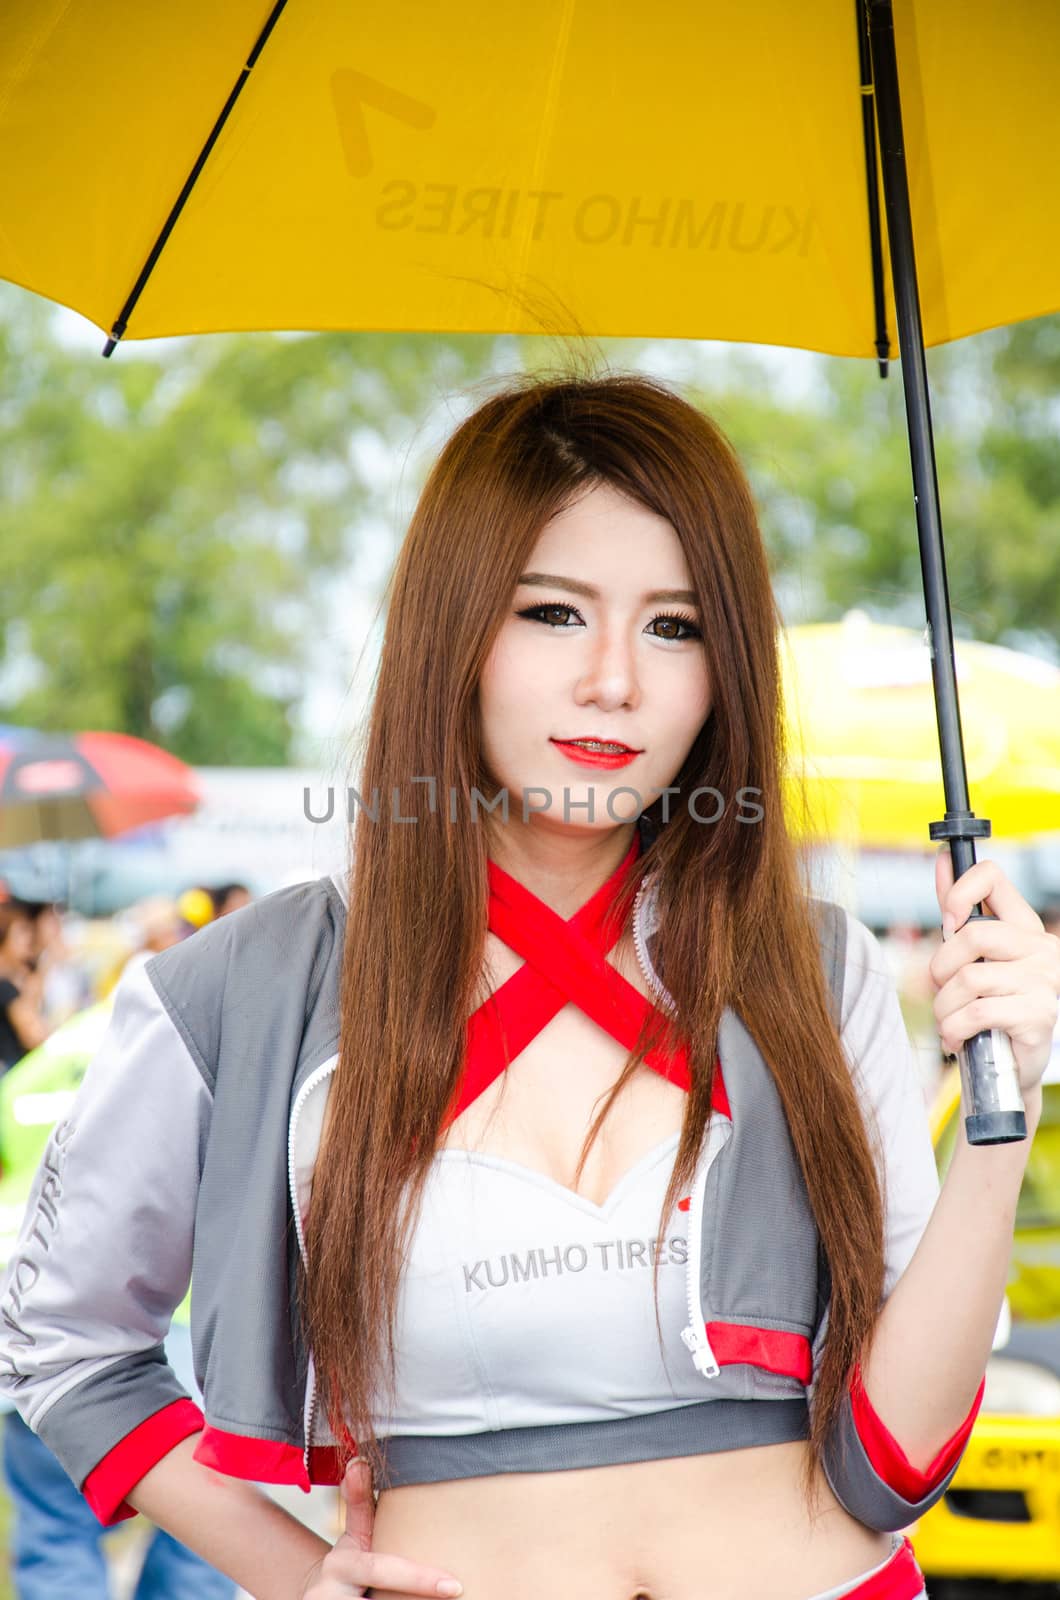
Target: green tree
(834,484)
(170,526)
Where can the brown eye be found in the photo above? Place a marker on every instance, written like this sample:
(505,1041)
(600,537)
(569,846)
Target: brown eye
(676,622)
(545,612)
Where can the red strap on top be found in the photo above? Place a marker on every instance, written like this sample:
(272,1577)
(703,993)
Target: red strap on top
(565,961)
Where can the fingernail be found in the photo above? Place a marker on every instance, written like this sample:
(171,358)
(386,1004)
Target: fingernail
(949,924)
(450,1586)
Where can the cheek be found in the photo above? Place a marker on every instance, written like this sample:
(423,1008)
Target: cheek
(512,676)
(688,701)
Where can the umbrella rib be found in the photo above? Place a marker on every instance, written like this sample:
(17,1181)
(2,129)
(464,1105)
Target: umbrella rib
(872,192)
(148,267)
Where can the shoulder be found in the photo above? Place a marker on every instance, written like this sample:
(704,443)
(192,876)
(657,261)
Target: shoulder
(264,964)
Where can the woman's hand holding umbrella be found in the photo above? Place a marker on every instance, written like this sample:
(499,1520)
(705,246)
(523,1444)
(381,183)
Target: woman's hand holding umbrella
(1000,971)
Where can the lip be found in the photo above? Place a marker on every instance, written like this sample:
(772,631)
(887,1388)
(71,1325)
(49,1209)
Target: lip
(595,758)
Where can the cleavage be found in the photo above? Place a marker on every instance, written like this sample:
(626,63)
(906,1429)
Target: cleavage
(537,1112)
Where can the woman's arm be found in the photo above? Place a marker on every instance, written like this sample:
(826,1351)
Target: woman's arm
(921,1380)
(933,1338)
(27,1022)
(269,1553)
(231,1524)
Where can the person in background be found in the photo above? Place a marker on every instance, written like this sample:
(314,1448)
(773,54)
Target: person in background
(159,925)
(150,925)
(22,1024)
(65,986)
(196,907)
(229,897)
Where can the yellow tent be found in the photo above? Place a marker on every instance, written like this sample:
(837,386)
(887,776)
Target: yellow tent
(861,725)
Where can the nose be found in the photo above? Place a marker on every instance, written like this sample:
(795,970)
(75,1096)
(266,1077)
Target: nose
(609,678)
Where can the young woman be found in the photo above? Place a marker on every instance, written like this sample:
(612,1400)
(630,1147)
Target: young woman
(565,1158)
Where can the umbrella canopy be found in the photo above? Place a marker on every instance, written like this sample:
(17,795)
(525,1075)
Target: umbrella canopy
(83,785)
(861,721)
(699,170)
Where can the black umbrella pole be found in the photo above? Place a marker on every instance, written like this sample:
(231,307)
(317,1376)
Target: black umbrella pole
(994,1112)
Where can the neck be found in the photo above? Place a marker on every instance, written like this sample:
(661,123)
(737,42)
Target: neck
(561,868)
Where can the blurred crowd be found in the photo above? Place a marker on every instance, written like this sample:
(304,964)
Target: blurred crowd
(54,963)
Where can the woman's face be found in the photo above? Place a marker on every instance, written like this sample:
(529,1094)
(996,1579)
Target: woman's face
(602,641)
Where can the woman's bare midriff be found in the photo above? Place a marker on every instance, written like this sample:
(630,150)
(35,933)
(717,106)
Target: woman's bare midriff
(728,1526)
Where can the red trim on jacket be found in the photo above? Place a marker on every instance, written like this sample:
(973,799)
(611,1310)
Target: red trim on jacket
(888,1458)
(133,1457)
(788,1354)
(267,1460)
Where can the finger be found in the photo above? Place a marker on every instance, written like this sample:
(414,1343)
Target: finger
(376,1570)
(1000,942)
(984,980)
(984,883)
(1023,1017)
(976,978)
(360,1504)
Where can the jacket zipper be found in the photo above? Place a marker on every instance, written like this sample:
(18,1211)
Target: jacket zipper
(309,1407)
(694,1337)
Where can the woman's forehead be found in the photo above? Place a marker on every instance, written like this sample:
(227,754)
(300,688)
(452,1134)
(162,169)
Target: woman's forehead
(607,539)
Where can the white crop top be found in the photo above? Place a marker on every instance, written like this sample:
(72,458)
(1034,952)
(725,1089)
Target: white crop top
(523,1302)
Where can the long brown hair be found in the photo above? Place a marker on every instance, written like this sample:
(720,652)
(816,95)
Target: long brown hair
(736,928)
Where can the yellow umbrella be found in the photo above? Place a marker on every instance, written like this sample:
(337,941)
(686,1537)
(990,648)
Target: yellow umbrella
(692,170)
(861,724)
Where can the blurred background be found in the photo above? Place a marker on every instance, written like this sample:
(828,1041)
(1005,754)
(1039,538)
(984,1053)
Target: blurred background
(196,535)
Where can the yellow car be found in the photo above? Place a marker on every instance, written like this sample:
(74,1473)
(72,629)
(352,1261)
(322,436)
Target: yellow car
(1000,1517)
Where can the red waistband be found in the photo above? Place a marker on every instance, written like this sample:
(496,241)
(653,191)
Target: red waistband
(900,1578)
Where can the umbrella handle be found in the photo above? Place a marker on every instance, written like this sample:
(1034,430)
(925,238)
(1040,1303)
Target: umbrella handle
(990,1086)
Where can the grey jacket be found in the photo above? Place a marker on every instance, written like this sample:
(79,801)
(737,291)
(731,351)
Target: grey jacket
(188,1156)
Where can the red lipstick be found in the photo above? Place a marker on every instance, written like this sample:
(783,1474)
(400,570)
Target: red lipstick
(595,758)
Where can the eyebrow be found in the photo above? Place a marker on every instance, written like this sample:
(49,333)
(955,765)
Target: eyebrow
(549,580)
